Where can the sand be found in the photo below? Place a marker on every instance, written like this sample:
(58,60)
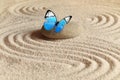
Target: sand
(27,55)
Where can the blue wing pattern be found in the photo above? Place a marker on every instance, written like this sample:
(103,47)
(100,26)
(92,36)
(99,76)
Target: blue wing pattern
(50,20)
(59,27)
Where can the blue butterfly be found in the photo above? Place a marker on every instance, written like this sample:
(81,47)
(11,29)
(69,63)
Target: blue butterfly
(52,23)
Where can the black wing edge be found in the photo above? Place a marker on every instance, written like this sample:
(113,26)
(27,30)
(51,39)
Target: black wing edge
(48,12)
(67,21)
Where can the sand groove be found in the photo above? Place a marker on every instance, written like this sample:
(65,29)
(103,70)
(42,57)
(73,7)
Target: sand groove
(86,58)
(28,10)
(107,23)
(93,57)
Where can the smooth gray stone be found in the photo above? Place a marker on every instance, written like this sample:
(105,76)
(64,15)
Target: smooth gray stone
(70,30)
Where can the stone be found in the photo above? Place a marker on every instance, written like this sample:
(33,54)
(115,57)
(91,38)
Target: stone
(70,30)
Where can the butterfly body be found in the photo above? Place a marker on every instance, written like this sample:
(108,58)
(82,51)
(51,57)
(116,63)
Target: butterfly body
(52,23)
(60,25)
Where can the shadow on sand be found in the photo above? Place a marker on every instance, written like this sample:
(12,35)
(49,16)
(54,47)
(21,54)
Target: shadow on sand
(37,35)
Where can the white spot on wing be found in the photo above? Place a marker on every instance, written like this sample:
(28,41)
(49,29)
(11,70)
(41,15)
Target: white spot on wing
(49,14)
(67,19)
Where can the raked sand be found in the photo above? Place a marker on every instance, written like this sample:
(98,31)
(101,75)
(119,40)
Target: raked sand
(93,55)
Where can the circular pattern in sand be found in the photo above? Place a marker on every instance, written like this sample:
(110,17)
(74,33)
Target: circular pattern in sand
(28,10)
(80,58)
(106,23)
(90,56)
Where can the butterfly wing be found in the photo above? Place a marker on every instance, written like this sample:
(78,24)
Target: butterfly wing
(50,20)
(59,27)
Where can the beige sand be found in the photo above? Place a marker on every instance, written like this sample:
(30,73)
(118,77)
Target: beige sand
(26,55)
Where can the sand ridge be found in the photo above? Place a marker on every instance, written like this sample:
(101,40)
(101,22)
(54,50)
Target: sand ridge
(27,55)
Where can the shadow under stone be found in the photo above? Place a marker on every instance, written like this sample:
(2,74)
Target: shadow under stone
(37,35)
